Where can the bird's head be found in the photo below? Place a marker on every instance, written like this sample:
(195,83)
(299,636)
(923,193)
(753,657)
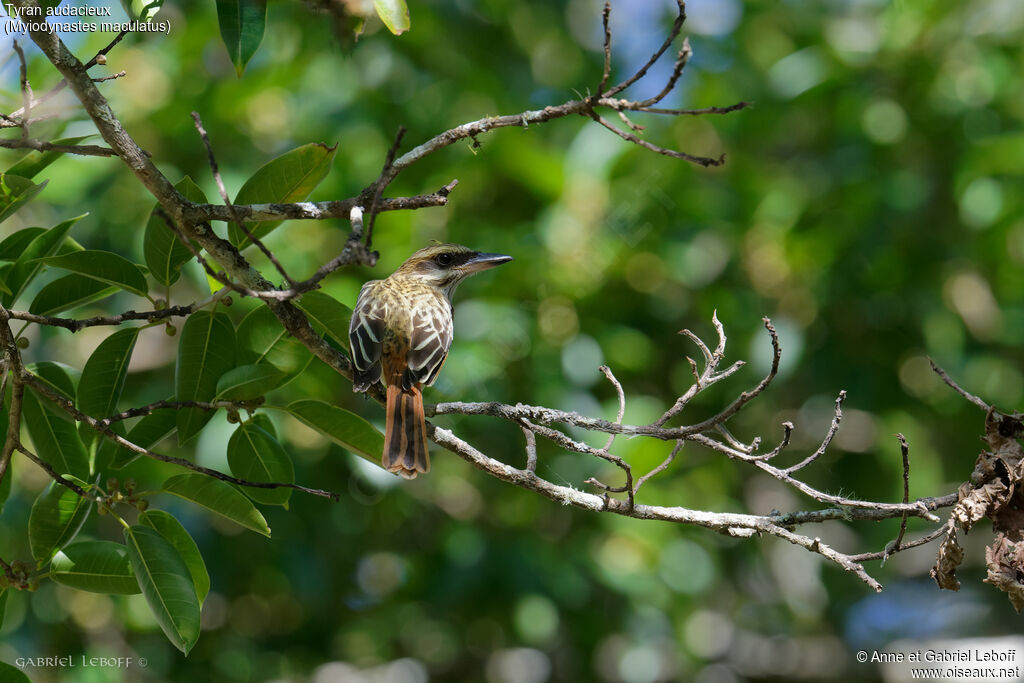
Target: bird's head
(446,265)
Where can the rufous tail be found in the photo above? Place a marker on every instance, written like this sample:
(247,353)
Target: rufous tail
(405,434)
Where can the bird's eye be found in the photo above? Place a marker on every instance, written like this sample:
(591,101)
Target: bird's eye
(444,260)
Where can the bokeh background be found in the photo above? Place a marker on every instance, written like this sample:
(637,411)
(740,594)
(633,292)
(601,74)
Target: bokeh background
(871,206)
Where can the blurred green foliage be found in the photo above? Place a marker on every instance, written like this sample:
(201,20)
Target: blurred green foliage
(867,206)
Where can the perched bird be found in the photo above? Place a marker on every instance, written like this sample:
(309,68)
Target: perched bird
(400,334)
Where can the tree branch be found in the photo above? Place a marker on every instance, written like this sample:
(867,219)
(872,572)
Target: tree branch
(44,390)
(43,146)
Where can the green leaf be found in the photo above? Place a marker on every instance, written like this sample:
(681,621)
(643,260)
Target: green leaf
(242,24)
(95,566)
(15,192)
(164,252)
(167,584)
(3,609)
(103,378)
(328,315)
(288,178)
(15,243)
(263,422)
(56,517)
(68,292)
(206,351)
(263,340)
(58,376)
(27,266)
(341,426)
(248,382)
(104,266)
(55,440)
(34,162)
(394,14)
(219,497)
(175,534)
(9,674)
(255,455)
(147,432)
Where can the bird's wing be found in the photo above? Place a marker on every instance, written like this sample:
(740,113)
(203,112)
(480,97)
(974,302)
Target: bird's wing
(365,332)
(430,340)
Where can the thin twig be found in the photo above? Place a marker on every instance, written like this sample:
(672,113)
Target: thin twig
(837,416)
(173,405)
(74,325)
(607,372)
(54,474)
(316,211)
(957,388)
(106,431)
(389,161)
(607,71)
(227,202)
(119,74)
(689,112)
(531,449)
(677,70)
(14,365)
(26,92)
(44,146)
(677,26)
(747,396)
(888,551)
(660,468)
(905,452)
(657,149)
(88,65)
(787,432)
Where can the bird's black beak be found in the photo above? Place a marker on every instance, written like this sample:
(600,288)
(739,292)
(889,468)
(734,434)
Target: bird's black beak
(484,261)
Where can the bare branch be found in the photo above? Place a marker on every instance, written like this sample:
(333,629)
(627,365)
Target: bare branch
(905,452)
(677,70)
(607,71)
(733,524)
(623,105)
(227,202)
(787,432)
(26,92)
(889,550)
(204,213)
(13,364)
(54,474)
(660,468)
(74,325)
(43,146)
(99,56)
(112,77)
(709,376)
(389,161)
(748,396)
(837,417)
(607,372)
(677,26)
(531,449)
(175,405)
(664,151)
(44,390)
(957,388)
